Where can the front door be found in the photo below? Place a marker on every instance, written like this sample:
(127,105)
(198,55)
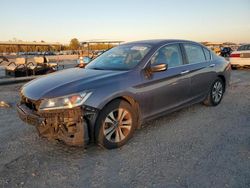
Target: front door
(162,91)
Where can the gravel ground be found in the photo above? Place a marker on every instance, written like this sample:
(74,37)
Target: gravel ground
(195,147)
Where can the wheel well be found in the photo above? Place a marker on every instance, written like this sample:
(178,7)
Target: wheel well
(224,81)
(133,103)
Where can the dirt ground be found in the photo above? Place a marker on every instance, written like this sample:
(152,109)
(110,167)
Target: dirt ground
(198,146)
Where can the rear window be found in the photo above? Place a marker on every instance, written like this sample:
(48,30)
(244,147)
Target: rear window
(244,48)
(194,53)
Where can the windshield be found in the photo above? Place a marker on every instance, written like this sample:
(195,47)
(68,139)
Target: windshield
(124,57)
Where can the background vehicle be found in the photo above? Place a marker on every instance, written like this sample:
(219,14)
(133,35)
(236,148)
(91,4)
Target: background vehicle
(241,57)
(121,89)
(226,51)
(49,53)
(216,50)
(39,66)
(3,59)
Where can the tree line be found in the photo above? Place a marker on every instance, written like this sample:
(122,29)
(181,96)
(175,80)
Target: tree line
(73,45)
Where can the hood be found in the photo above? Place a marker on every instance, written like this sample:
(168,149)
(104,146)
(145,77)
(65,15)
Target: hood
(66,82)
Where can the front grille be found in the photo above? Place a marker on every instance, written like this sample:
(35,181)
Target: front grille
(30,105)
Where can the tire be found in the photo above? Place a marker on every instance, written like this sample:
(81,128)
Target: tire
(216,93)
(111,131)
(233,67)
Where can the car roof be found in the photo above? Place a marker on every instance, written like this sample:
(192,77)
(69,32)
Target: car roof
(158,41)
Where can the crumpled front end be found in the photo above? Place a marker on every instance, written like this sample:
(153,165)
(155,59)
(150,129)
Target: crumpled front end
(67,125)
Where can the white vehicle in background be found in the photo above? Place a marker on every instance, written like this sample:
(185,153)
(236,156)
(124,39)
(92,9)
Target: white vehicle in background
(240,57)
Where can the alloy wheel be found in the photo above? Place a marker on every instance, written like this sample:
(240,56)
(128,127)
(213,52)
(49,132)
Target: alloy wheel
(217,91)
(117,125)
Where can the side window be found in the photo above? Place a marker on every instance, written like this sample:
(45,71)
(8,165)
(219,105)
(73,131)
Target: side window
(194,53)
(170,54)
(207,54)
(243,48)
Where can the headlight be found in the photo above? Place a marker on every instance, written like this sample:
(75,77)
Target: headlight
(65,102)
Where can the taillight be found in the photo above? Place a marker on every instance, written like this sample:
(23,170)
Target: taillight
(235,55)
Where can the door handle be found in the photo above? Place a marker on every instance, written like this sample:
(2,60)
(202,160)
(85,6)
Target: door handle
(211,65)
(185,72)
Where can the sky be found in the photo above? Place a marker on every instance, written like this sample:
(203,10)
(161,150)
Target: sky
(126,20)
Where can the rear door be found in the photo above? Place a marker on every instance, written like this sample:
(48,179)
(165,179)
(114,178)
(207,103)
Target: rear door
(162,91)
(201,67)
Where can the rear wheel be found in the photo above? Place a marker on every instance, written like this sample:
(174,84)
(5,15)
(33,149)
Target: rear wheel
(233,67)
(115,124)
(216,93)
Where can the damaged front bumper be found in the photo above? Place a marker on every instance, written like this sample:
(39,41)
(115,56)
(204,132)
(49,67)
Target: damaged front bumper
(70,126)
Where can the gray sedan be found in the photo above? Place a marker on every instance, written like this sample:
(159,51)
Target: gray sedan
(111,97)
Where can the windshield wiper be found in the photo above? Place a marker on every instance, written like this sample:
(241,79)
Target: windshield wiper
(95,68)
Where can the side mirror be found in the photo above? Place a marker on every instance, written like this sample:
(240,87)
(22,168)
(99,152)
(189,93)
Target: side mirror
(159,67)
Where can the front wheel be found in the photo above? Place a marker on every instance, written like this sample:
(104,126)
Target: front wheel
(115,124)
(216,93)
